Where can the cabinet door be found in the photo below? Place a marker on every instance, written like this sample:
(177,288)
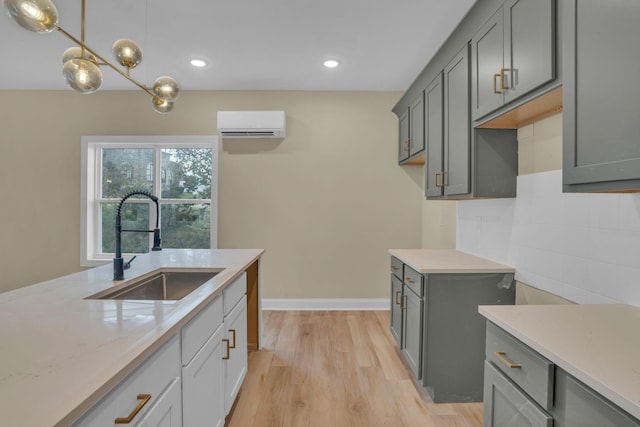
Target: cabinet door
(601,123)
(489,84)
(403,136)
(506,406)
(434,137)
(412,332)
(167,412)
(457,129)
(203,384)
(396,309)
(577,405)
(416,126)
(236,362)
(529,45)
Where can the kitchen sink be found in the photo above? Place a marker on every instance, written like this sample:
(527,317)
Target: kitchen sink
(160,285)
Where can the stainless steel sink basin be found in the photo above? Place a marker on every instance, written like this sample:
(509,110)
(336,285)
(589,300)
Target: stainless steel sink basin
(161,285)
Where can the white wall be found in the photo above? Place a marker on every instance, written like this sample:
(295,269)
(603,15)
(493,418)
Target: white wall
(583,247)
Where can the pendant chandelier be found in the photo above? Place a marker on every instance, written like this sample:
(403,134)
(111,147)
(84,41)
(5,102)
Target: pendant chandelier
(81,64)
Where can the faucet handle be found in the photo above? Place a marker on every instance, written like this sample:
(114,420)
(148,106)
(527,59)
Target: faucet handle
(128,263)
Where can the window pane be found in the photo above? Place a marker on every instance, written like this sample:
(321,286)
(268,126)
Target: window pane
(186,173)
(186,226)
(134,216)
(126,169)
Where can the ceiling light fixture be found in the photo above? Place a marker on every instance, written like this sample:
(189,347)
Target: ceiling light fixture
(198,63)
(331,63)
(81,65)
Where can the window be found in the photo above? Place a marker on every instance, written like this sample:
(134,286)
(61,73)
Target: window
(180,170)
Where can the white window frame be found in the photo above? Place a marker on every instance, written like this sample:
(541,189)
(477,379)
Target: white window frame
(90,254)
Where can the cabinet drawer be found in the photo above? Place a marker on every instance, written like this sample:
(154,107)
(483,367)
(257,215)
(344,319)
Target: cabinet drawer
(413,280)
(234,292)
(196,333)
(525,367)
(152,377)
(396,267)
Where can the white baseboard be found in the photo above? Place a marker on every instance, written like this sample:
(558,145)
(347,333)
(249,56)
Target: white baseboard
(326,304)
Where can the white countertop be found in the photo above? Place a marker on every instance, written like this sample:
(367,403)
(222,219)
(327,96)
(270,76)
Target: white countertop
(61,353)
(597,344)
(447,261)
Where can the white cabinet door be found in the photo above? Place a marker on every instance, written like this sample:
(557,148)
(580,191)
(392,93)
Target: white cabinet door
(235,327)
(167,412)
(203,384)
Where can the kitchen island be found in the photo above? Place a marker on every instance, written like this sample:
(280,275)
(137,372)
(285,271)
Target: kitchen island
(62,353)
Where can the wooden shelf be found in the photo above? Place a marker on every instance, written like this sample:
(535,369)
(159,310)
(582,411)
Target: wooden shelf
(546,105)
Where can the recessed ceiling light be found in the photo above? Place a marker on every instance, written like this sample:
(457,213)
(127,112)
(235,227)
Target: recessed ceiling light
(331,63)
(198,63)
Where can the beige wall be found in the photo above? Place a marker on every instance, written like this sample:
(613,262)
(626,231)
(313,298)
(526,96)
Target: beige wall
(326,203)
(540,146)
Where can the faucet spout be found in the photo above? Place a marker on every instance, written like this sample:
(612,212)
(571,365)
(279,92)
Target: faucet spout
(118,261)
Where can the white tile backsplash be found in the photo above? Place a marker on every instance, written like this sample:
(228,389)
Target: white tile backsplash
(583,247)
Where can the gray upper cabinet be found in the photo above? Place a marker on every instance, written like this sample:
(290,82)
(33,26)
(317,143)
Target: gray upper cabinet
(416,126)
(434,136)
(411,133)
(513,53)
(601,126)
(403,136)
(455,176)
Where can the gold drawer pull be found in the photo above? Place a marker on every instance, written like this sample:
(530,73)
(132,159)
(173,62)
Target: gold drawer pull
(233,332)
(144,399)
(395,268)
(410,280)
(398,293)
(228,348)
(502,356)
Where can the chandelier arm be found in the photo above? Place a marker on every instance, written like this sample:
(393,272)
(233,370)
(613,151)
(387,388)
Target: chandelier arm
(105,62)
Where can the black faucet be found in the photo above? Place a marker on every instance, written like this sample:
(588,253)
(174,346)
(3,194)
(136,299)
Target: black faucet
(118,262)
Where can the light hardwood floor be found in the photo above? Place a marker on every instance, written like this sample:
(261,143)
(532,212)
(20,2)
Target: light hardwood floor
(336,369)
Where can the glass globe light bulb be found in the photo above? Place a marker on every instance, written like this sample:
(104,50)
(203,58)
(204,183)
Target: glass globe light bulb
(162,106)
(39,16)
(166,88)
(76,52)
(127,53)
(82,75)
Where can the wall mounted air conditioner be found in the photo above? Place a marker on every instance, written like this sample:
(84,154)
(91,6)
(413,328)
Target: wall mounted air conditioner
(251,124)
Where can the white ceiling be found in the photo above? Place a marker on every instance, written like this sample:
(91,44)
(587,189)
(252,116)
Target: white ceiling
(249,44)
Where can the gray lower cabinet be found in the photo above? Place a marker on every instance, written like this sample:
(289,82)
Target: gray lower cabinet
(513,54)
(412,331)
(601,126)
(506,405)
(523,388)
(396,309)
(440,334)
(576,405)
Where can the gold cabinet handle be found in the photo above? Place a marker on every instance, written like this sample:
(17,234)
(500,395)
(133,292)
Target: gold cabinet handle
(395,268)
(398,293)
(502,356)
(233,332)
(406,145)
(495,86)
(403,302)
(410,280)
(144,399)
(437,176)
(502,79)
(228,348)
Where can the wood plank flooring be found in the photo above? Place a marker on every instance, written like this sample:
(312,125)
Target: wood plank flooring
(336,369)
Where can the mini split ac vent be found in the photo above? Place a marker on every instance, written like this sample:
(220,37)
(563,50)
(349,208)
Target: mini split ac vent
(251,124)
